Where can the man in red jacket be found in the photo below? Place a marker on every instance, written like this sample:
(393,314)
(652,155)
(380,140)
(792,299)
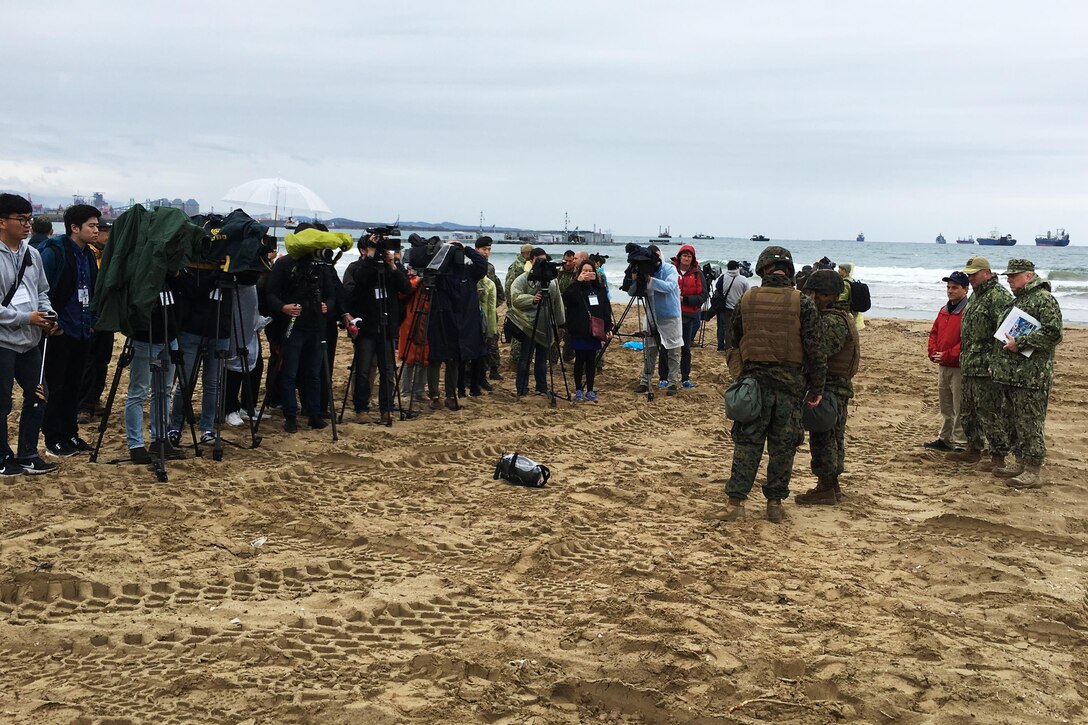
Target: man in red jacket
(944,349)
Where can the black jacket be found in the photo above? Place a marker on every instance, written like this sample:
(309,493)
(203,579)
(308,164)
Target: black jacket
(298,282)
(455,328)
(579,310)
(199,310)
(364,301)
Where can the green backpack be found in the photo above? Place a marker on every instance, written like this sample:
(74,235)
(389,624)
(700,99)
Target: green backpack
(743,401)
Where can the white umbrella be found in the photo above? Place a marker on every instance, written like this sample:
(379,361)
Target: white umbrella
(276,194)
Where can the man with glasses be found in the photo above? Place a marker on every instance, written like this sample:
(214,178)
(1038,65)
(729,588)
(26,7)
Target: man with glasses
(25,313)
(71,269)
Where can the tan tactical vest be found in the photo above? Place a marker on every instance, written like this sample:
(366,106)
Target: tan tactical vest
(772,326)
(844,363)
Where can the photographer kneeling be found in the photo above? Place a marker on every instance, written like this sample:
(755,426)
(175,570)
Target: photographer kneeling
(522,323)
(379,280)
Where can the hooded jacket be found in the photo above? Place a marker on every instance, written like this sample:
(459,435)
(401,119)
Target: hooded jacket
(944,336)
(847,278)
(16,332)
(1035,372)
(693,286)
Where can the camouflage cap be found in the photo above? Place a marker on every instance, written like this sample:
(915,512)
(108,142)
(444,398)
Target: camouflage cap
(774,255)
(824,281)
(1016,266)
(976,264)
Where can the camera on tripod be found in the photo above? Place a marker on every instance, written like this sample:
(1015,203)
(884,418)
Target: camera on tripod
(641,262)
(544,271)
(384,239)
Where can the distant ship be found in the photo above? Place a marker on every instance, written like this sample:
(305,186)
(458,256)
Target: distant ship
(759,238)
(1060,238)
(860,237)
(290,223)
(703,236)
(965,240)
(941,239)
(662,236)
(997,239)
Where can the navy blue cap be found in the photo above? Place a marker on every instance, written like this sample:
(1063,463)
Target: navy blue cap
(957,277)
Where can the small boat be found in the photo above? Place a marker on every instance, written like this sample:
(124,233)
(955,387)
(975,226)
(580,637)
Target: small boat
(759,238)
(703,236)
(997,239)
(965,240)
(860,237)
(1060,238)
(290,223)
(941,239)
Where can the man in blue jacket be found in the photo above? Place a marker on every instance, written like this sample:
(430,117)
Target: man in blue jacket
(71,269)
(663,324)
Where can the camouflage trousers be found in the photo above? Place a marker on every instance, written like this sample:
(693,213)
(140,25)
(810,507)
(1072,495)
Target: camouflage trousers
(779,428)
(1026,419)
(829,448)
(493,357)
(982,411)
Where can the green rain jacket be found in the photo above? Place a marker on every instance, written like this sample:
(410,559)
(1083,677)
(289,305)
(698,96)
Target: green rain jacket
(1037,371)
(145,246)
(984,312)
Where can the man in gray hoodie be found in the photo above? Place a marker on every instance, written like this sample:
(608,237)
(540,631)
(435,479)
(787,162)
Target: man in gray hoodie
(25,313)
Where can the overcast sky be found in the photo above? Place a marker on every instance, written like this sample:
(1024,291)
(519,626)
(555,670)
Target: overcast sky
(794,119)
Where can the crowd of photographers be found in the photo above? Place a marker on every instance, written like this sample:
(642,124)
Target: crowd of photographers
(423,323)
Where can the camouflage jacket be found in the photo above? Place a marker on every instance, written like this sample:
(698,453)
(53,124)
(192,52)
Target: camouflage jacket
(834,334)
(814,374)
(985,311)
(1035,372)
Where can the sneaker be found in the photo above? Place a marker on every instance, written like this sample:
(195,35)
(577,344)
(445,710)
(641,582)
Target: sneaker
(937,445)
(174,436)
(662,383)
(642,389)
(84,416)
(10,467)
(578,396)
(234,419)
(60,449)
(290,425)
(207,436)
(81,445)
(688,384)
(139,456)
(36,466)
(591,397)
(671,390)
(316,422)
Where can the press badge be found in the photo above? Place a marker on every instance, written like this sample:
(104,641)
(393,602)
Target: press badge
(215,295)
(379,293)
(84,296)
(21,297)
(166,298)
(592,300)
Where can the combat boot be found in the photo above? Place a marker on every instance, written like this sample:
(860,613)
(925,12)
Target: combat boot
(775,513)
(993,464)
(825,493)
(1011,469)
(734,510)
(970,455)
(1029,478)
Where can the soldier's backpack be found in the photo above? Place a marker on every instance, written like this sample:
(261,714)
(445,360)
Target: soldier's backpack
(860,301)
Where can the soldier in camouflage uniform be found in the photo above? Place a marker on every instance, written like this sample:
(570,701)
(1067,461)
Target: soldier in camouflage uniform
(483,246)
(839,344)
(982,406)
(1025,381)
(777,330)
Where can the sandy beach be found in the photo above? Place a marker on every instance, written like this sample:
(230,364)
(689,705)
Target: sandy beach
(398,582)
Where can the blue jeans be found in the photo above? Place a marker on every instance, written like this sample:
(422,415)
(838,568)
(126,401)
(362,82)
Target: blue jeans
(189,344)
(301,367)
(24,368)
(140,383)
(367,350)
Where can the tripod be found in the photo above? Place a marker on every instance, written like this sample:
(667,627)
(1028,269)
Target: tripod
(159,389)
(544,309)
(638,302)
(417,338)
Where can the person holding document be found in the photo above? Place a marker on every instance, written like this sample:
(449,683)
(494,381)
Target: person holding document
(1023,368)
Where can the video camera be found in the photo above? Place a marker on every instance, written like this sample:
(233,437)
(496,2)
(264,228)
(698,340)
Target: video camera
(745,269)
(544,271)
(641,262)
(388,239)
(598,259)
(236,243)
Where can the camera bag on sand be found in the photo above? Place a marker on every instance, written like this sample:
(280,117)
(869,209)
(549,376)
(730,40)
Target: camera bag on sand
(823,417)
(522,471)
(743,401)
(860,301)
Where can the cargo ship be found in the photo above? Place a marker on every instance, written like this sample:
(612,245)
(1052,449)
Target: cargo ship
(965,240)
(997,239)
(1060,238)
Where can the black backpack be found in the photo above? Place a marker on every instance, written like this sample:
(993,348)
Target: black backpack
(860,301)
